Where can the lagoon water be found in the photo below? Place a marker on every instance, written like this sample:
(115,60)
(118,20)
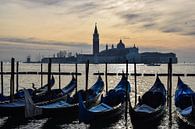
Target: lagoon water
(143,84)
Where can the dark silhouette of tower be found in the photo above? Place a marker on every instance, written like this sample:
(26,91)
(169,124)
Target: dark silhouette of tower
(95,41)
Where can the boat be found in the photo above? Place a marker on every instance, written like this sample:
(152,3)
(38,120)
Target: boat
(153,64)
(32,92)
(151,106)
(111,106)
(16,108)
(67,108)
(185,103)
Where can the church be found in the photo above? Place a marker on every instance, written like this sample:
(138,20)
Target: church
(118,54)
(110,55)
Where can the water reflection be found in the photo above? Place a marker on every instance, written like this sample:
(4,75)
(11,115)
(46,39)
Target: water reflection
(143,84)
(12,122)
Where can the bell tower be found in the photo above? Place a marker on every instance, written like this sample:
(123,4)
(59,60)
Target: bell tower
(95,41)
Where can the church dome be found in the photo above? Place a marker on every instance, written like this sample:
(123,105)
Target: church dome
(120,45)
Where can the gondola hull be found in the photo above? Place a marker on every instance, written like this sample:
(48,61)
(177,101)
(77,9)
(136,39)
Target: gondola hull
(12,111)
(143,118)
(70,112)
(184,102)
(20,93)
(17,107)
(96,118)
(70,106)
(151,106)
(188,120)
(110,108)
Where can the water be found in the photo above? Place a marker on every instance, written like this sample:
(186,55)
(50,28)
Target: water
(143,83)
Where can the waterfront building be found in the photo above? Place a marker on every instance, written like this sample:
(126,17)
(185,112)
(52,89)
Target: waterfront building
(118,54)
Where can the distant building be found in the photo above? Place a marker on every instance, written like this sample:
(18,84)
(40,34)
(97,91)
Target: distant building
(71,59)
(119,54)
(114,55)
(95,41)
(28,59)
(120,45)
(156,57)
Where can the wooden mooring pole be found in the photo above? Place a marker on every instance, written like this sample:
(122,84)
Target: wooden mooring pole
(49,76)
(12,80)
(135,80)
(2,93)
(87,75)
(106,77)
(168,80)
(17,76)
(126,104)
(41,74)
(59,76)
(170,89)
(76,71)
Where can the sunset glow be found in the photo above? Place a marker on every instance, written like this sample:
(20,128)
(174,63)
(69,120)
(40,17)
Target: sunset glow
(152,25)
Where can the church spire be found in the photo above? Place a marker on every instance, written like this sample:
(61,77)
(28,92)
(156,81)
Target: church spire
(96,30)
(95,41)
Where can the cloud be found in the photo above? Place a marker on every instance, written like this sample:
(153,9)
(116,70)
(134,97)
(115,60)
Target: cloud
(21,47)
(166,16)
(34,41)
(43,2)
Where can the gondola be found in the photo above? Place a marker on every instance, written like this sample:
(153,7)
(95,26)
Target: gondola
(111,106)
(68,108)
(185,103)
(32,92)
(151,106)
(17,107)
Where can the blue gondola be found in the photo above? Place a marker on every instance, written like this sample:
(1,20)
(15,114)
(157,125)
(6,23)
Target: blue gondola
(151,105)
(69,107)
(112,105)
(32,92)
(16,108)
(185,103)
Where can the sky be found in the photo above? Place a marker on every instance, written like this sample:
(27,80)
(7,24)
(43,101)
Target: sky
(43,27)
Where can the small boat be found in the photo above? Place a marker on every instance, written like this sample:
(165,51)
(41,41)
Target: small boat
(32,92)
(111,106)
(151,106)
(185,103)
(67,108)
(153,64)
(17,107)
